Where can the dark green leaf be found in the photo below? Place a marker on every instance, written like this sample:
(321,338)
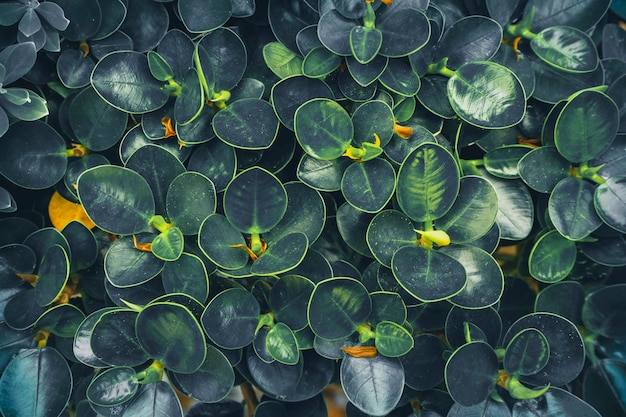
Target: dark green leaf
(603,388)
(366,74)
(322,175)
(365,43)
(282,345)
(337,307)
(556,400)
(471,372)
(113,339)
(426,362)
(168,245)
(61,320)
(217,161)
(155,400)
(502,162)
(17,60)
(554,168)
(352,226)
(25,389)
(190,199)
(319,62)
(202,16)
(604,313)
(427,274)
(571,208)
(374,385)
(74,69)
(515,208)
(247,124)
(289,300)
(221,242)
(566,48)
(579,14)
(392,340)
(230,319)
(123,80)
(33,155)
(400,78)
(190,102)
(527,353)
(126,266)
(113,387)
(610,202)
(54,271)
(282,255)
(323,128)
(387,232)
(404,30)
(289,94)
(333,30)
(368,186)
(169,333)
(221,48)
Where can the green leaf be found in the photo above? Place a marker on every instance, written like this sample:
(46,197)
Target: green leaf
(319,62)
(400,78)
(571,208)
(428,183)
(471,372)
(255,201)
(487,95)
(190,102)
(117,199)
(126,266)
(473,213)
(17,59)
(190,199)
(427,274)
(515,208)
(221,242)
(392,340)
(289,300)
(202,16)
(369,186)
(61,320)
(212,382)
(159,67)
(404,29)
(366,74)
(502,162)
(15,258)
(217,161)
(365,43)
(22,310)
(96,124)
(170,333)
(322,175)
(553,168)
(230,319)
(564,298)
(25,389)
(187,275)
(54,271)
(337,307)
(123,79)
(582,15)
(352,226)
(566,48)
(33,155)
(333,30)
(290,93)
(281,60)
(552,258)
(113,339)
(567,352)
(81,348)
(388,231)
(74,69)
(282,345)
(557,400)
(485,279)
(373,385)
(221,48)
(527,353)
(168,245)
(603,312)
(427,361)
(586,126)
(610,202)
(247,124)
(281,255)
(113,387)
(323,128)
(155,400)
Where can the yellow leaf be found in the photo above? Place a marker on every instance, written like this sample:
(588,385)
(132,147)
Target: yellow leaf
(62,212)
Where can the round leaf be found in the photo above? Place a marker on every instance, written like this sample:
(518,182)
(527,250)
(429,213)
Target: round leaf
(404,29)
(155,400)
(289,300)
(221,242)
(373,385)
(368,186)
(387,232)
(170,333)
(230,319)
(554,168)
(319,62)
(337,307)
(427,274)
(526,353)
(603,312)
(190,199)
(187,275)
(603,388)
(126,266)
(113,387)
(281,255)
(25,390)
(572,210)
(289,94)
(247,124)
(323,128)
(426,362)
(202,16)
(586,126)
(123,79)
(428,182)
(487,95)
(610,202)
(33,155)
(566,48)
(54,271)
(552,258)
(365,43)
(471,372)
(392,340)
(116,199)
(113,339)
(282,345)
(168,245)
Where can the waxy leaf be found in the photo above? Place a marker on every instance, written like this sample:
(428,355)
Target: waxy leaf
(337,307)
(610,202)
(127,266)
(289,94)
(387,232)
(113,339)
(603,313)
(282,345)
(555,400)
(487,95)
(54,272)
(603,388)
(117,199)
(123,80)
(571,208)
(255,201)
(113,387)
(222,243)
(404,29)
(426,362)
(373,385)
(282,61)
(552,258)
(323,128)
(247,124)
(586,126)
(365,43)
(281,255)
(471,372)
(25,390)
(61,320)
(202,16)
(171,334)
(566,48)
(230,319)
(320,62)
(155,400)
(392,340)
(190,199)
(427,274)
(428,182)
(527,353)
(168,245)
(187,275)
(81,347)
(369,186)
(553,168)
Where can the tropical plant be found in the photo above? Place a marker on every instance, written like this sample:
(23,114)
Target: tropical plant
(421,202)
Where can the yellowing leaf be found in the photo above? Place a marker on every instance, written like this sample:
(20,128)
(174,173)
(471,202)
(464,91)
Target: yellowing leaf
(62,212)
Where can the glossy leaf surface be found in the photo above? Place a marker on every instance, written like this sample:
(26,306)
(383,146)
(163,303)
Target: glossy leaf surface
(552,257)
(323,128)
(471,372)
(230,318)
(247,124)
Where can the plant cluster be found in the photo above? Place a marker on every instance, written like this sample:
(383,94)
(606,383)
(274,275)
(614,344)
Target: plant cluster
(422,201)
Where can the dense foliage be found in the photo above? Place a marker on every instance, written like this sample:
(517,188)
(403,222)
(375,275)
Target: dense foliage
(422,201)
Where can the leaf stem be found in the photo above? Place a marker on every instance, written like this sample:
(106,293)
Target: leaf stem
(249,397)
